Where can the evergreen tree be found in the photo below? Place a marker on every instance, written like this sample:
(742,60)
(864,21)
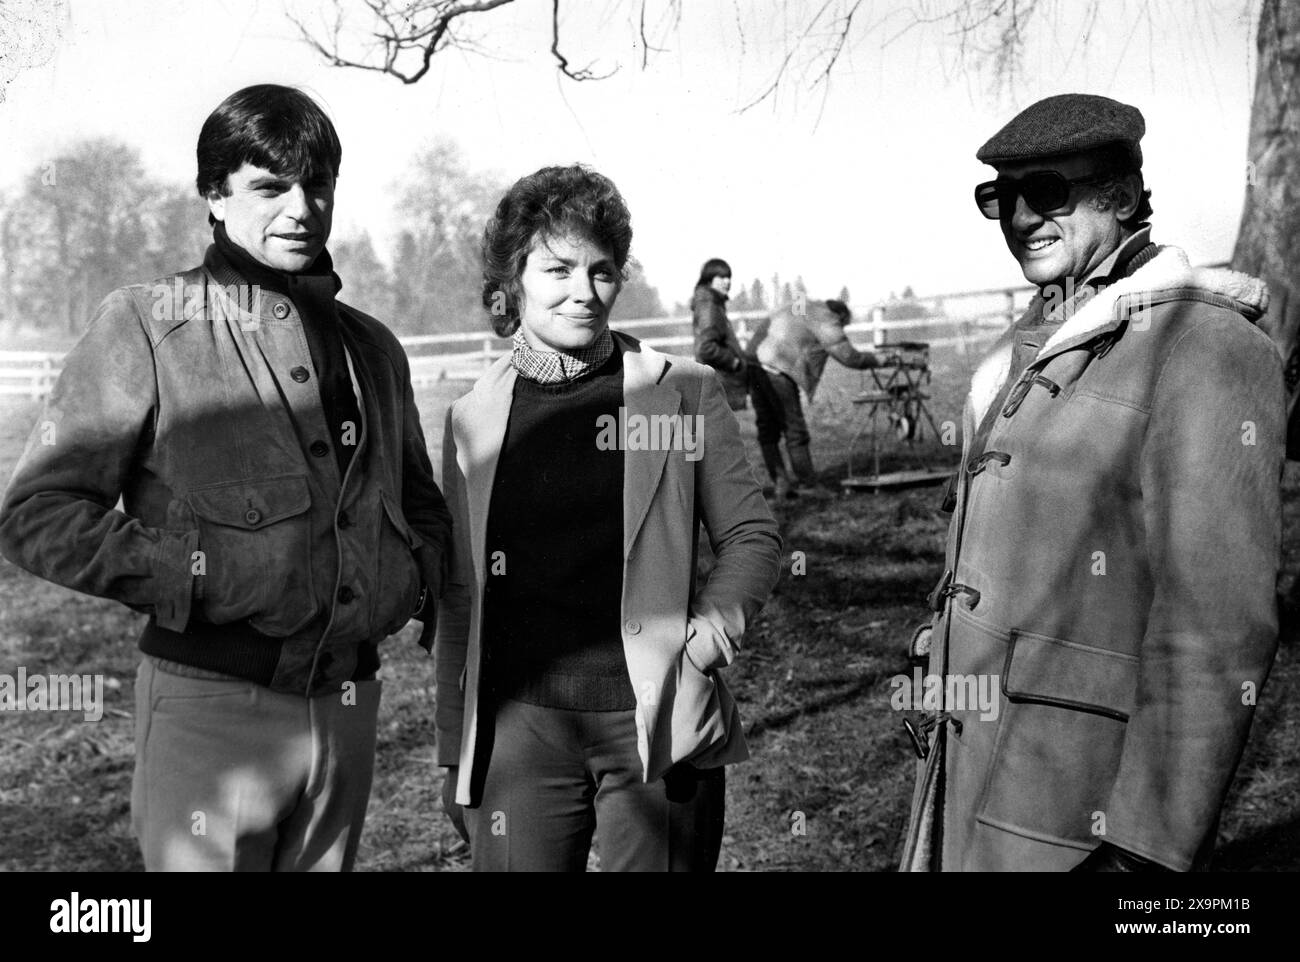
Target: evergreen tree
(638,300)
(366,282)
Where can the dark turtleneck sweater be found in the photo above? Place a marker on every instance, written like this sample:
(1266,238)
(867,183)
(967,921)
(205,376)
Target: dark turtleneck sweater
(552,604)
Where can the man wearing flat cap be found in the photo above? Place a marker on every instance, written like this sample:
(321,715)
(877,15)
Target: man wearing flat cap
(1113,554)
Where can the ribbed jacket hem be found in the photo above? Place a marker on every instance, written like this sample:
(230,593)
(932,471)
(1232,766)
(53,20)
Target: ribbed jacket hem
(234,649)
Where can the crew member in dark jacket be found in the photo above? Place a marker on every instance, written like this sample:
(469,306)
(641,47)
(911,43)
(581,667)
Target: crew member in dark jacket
(716,343)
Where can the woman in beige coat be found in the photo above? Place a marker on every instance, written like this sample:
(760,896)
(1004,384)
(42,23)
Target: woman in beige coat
(579,661)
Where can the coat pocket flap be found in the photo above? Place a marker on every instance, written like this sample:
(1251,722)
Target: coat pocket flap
(252,504)
(399,521)
(1057,672)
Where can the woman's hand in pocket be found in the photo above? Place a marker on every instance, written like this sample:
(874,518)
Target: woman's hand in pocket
(703,648)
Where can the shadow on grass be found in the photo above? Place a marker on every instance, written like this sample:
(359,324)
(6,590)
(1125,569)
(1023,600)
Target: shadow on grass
(859,688)
(1274,849)
(835,591)
(58,836)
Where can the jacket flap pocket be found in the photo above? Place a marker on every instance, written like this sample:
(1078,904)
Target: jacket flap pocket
(1069,674)
(252,504)
(399,521)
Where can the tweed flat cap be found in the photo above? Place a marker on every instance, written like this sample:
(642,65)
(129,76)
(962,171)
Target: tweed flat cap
(1066,124)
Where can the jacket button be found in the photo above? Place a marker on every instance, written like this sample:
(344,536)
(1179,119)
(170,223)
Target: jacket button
(299,374)
(344,520)
(281,310)
(252,516)
(319,449)
(346,595)
(633,627)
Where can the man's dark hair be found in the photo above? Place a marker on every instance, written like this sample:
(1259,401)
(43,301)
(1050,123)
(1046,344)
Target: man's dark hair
(713,267)
(840,310)
(266,125)
(552,202)
(1115,161)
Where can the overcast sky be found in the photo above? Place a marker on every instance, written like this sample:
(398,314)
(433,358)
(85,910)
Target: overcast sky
(868,186)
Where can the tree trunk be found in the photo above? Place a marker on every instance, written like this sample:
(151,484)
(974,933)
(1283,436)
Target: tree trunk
(1268,242)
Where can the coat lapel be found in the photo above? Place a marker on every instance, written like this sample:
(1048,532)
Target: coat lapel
(1113,304)
(1105,312)
(480,424)
(644,395)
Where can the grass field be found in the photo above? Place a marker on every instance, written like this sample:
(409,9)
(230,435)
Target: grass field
(812,686)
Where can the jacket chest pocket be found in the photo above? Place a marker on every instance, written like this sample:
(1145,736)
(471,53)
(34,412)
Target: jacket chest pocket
(256,540)
(398,590)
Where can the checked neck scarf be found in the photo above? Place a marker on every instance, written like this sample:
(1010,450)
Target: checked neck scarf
(556,367)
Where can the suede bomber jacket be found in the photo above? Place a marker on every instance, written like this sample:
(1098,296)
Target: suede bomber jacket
(194,400)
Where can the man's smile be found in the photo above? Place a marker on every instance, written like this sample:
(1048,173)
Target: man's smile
(1038,244)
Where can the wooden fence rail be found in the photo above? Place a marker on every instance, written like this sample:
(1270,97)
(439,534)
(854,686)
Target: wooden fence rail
(433,357)
(29,374)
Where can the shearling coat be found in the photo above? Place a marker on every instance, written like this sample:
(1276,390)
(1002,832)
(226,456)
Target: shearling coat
(676,634)
(1112,563)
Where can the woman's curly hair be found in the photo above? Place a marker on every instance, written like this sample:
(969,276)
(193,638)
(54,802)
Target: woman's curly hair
(553,202)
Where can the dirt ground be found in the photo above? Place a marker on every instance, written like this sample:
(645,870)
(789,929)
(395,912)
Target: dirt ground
(812,685)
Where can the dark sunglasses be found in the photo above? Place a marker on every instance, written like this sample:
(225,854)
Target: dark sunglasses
(1044,191)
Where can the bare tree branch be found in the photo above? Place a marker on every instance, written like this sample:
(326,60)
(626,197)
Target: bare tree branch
(646,46)
(779,76)
(405,36)
(402,28)
(585,73)
(840,40)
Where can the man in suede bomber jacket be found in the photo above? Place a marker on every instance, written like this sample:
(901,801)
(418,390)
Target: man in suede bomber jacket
(278,514)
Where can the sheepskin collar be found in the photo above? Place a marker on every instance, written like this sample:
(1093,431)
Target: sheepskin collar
(1167,272)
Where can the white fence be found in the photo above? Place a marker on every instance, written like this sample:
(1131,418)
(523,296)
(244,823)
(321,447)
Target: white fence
(1001,307)
(28,373)
(435,357)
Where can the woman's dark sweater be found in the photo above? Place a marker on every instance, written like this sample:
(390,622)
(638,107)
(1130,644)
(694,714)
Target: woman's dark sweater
(552,602)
